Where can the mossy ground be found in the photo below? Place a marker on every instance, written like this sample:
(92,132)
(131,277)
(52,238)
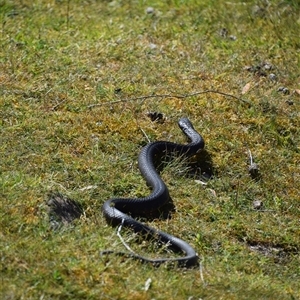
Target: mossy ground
(72,121)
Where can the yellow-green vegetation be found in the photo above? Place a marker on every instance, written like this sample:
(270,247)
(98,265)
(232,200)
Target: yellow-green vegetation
(74,78)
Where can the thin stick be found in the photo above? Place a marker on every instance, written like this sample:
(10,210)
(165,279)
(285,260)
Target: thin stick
(253,167)
(250,157)
(201,271)
(142,130)
(164,96)
(58,104)
(145,134)
(122,240)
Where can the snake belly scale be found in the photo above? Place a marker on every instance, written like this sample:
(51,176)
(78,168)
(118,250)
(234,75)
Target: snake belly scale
(116,210)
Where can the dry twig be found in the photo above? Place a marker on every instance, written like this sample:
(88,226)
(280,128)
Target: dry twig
(122,240)
(164,96)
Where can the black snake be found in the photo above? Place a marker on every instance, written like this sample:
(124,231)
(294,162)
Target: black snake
(116,210)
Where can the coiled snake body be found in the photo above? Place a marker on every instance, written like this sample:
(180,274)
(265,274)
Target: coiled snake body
(116,210)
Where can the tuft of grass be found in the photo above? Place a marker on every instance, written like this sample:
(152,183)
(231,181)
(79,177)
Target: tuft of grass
(75,78)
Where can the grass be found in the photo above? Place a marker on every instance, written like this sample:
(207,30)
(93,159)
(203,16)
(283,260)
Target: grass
(69,70)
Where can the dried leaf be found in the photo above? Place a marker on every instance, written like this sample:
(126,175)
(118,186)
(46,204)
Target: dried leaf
(200,182)
(297,91)
(246,88)
(147,284)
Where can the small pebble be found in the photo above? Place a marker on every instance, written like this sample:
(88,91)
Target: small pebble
(267,66)
(152,46)
(290,102)
(272,77)
(286,91)
(257,204)
(283,90)
(253,170)
(223,32)
(150,10)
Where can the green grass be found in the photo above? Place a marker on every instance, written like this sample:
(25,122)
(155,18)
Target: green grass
(64,67)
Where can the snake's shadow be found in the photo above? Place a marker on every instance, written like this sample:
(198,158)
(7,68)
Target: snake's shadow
(197,167)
